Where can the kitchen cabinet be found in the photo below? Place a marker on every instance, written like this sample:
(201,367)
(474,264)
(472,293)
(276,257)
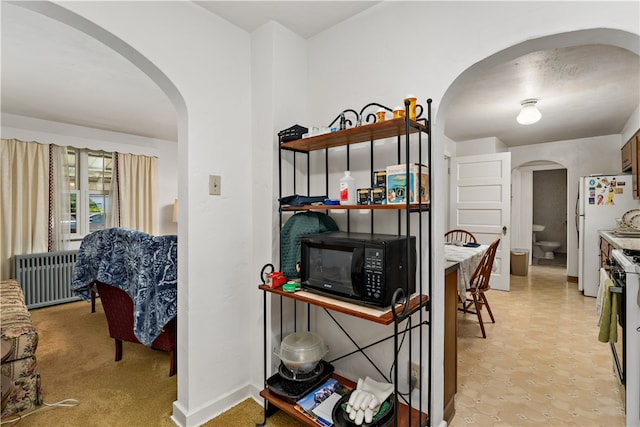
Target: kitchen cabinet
(626,157)
(631,161)
(410,316)
(605,252)
(618,242)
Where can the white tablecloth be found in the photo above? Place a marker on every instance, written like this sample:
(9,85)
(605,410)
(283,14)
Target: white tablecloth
(468,259)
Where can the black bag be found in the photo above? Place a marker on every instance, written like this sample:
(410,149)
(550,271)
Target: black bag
(298,200)
(298,225)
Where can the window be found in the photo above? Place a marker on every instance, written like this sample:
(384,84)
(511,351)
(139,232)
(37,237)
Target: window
(90,174)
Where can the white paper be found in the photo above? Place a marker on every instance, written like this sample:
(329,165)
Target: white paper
(325,409)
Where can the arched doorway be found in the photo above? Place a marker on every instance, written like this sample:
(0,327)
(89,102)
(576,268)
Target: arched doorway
(143,64)
(540,187)
(522,236)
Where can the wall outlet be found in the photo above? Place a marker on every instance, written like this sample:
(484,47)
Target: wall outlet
(413,375)
(215,183)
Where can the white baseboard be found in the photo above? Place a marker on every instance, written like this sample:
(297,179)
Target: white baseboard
(205,413)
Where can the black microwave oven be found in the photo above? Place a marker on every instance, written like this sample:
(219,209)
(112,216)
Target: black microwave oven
(358,267)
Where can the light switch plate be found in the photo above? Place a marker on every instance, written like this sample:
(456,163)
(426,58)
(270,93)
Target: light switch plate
(214,185)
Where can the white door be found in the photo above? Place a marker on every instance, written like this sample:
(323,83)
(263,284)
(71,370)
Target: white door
(480,202)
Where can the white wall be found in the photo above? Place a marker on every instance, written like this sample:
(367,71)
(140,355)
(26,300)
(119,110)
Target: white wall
(46,132)
(632,125)
(203,64)
(480,146)
(279,81)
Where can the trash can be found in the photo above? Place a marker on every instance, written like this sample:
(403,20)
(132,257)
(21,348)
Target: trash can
(519,262)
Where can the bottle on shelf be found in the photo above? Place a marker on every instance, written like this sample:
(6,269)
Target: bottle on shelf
(347,189)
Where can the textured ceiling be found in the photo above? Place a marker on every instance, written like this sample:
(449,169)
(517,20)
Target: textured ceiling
(583,91)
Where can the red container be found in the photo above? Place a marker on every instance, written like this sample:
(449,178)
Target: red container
(276,279)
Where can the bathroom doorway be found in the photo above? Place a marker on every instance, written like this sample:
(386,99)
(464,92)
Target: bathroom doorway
(550,212)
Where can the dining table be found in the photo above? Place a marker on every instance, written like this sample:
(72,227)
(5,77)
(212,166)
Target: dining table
(467,258)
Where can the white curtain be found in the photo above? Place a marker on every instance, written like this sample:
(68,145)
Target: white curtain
(112,212)
(60,215)
(34,198)
(134,193)
(24,195)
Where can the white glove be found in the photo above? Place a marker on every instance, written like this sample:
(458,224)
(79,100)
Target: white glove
(366,399)
(362,406)
(380,390)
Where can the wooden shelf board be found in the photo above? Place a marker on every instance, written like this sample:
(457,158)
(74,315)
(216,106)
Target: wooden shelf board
(386,318)
(371,132)
(403,414)
(389,207)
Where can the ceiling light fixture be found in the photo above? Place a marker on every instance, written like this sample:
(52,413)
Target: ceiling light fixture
(529,113)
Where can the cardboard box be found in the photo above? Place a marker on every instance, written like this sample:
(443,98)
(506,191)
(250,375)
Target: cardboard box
(380,179)
(363,196)
(378,196)
(396,183)
(371,196)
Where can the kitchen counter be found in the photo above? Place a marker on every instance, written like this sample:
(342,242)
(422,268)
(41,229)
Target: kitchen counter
(620,242)
(450,266)
(453,268)
(450,362)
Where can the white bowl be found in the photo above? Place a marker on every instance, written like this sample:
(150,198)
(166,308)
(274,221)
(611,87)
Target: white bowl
(300,352)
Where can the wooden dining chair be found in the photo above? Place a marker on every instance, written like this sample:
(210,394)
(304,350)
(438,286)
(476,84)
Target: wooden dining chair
(458,235)
(479,286)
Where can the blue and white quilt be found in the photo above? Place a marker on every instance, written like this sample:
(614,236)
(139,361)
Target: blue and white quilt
(144,266)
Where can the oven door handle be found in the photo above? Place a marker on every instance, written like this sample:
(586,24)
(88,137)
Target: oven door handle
(615,289)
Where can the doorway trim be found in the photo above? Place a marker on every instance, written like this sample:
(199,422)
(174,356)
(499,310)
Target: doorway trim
(522,202)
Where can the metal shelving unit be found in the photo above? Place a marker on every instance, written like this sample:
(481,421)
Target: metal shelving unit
(408,314)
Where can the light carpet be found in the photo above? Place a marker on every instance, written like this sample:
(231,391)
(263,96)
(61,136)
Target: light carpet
(75,359)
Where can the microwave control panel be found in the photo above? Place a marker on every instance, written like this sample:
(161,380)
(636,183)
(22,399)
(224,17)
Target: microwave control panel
(373,268)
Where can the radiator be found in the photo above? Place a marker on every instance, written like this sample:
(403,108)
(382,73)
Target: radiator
(46,278)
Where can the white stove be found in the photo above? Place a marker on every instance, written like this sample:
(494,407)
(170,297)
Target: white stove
(629,261)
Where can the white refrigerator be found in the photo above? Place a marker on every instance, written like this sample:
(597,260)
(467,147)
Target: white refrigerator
(601,200)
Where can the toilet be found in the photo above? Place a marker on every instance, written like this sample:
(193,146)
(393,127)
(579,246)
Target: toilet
(543,248)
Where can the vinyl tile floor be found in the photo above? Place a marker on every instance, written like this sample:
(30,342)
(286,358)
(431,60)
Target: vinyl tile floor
(541,363)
